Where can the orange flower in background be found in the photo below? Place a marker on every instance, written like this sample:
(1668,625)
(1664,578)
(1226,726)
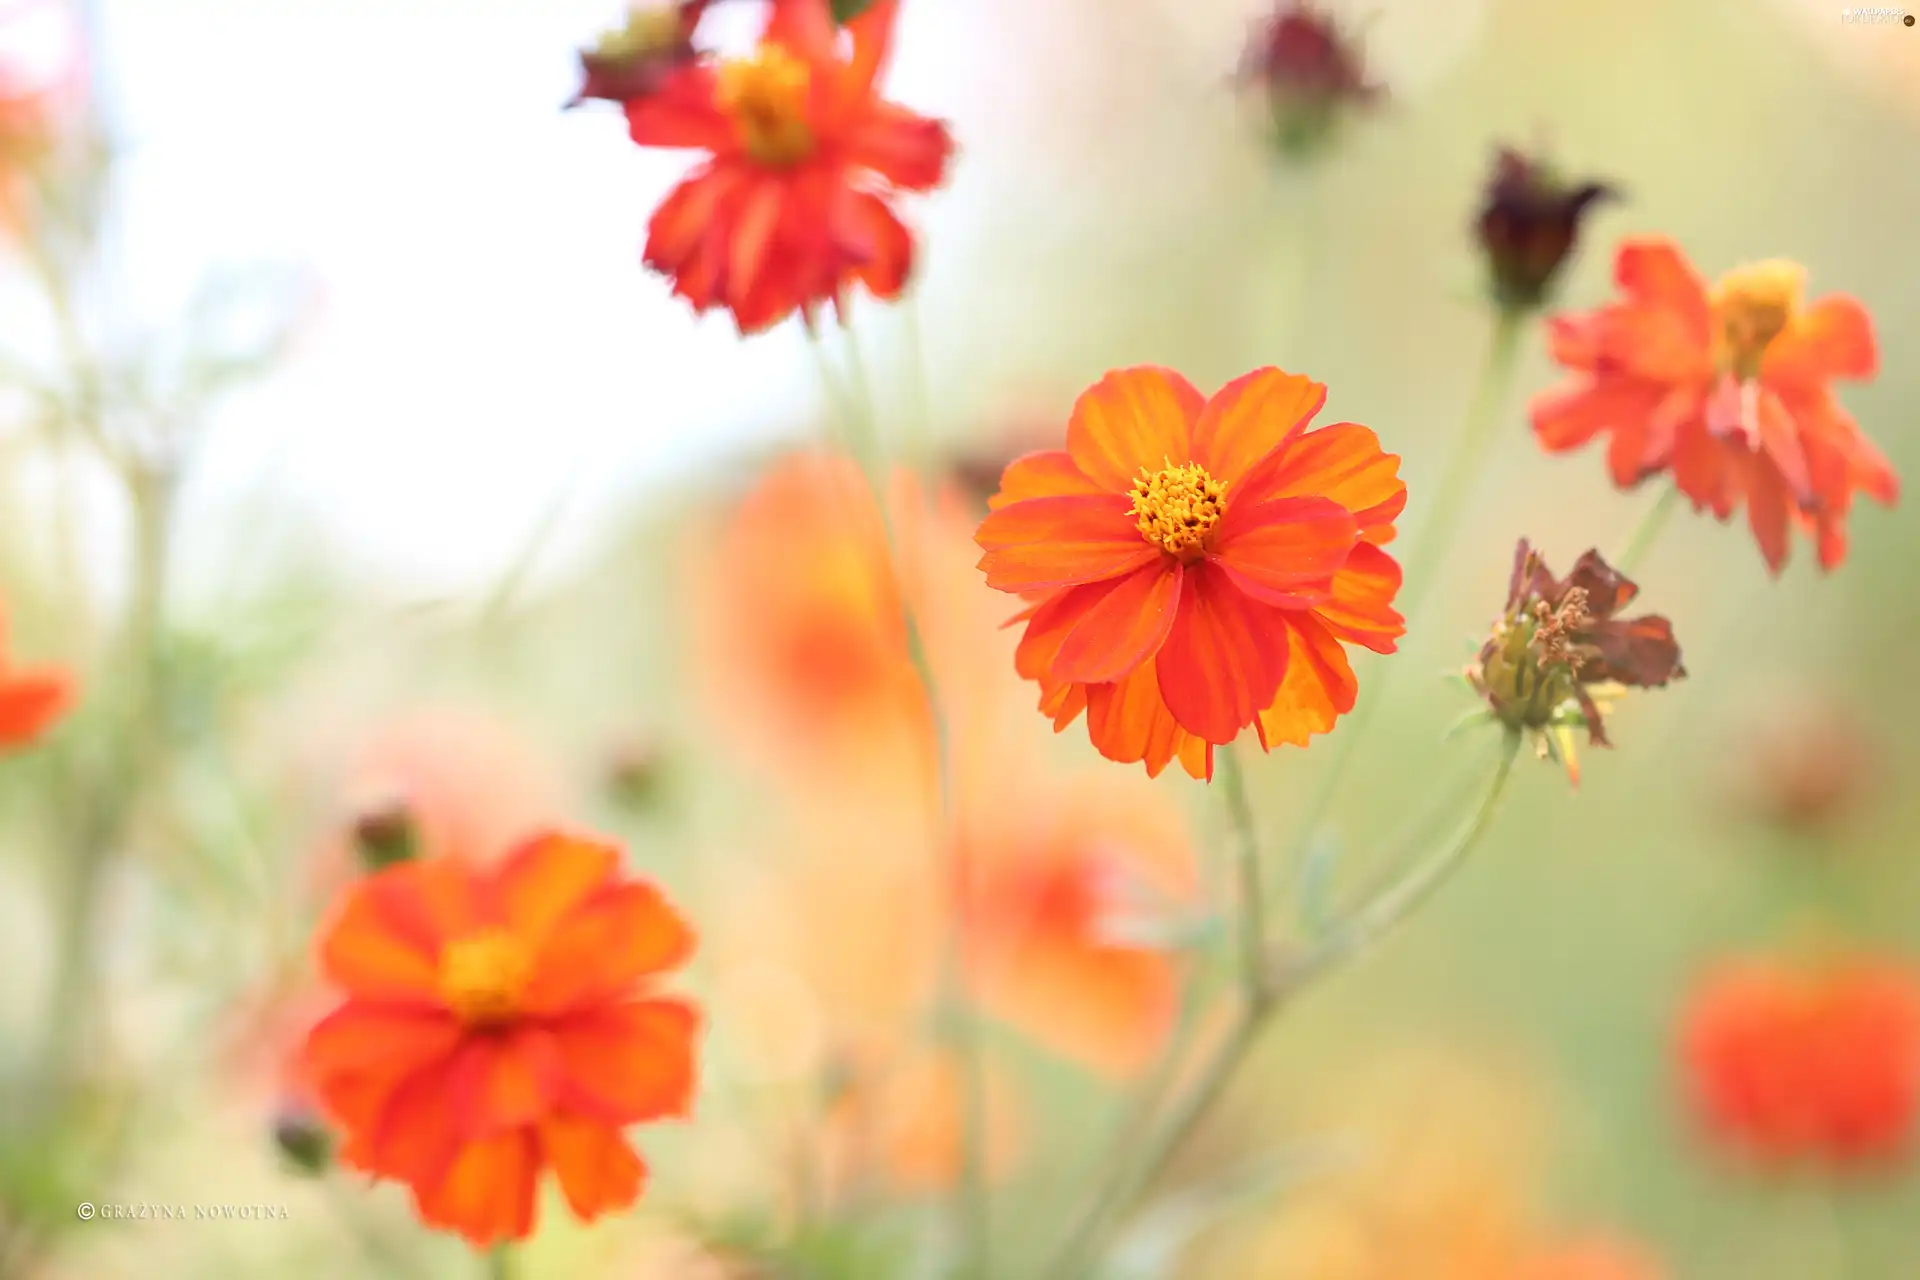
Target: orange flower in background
(498,1023)
(1197,565)
(1590,1260)
(32,699)
(1818,1061)
(795,203)
(897,1116)
(1729,388)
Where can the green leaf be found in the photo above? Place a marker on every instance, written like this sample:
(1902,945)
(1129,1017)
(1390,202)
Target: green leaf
(848,10)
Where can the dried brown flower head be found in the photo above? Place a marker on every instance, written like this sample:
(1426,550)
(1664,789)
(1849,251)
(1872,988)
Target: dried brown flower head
(631,60)
(1311,73)
(1528,227)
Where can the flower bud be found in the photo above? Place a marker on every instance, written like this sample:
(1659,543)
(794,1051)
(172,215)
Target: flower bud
(636,775)
(302,1139)
(630,61)
(1311,75)
(1529,226)
(385,834)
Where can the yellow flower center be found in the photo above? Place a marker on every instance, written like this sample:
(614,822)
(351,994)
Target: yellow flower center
(482,977)
(766,98)
(1177,507)
(1753,304)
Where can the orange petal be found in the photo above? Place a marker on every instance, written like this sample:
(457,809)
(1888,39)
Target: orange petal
(1122,629)
(359,1038)
(31,702)
(623,934)
(1767,505)
(416,1136)
(1128,721)
(879,244)
(380,951)
(1049,473)
(504,1080)
(487,1194)
(1132,420)
(1362,607)
(1252,416)
(1275,549)
(681,113)
(910,151)
(629,1063)
(547,876)
(1652,271)
(1058,542)
(1318,689)
(1345,463)
(1107,1006)
(807,29)
(1570,415)
(598,1171)
(872,32)
(1703,468)
(1832,338)
(1196,757)
(1779,436)
(1220,664)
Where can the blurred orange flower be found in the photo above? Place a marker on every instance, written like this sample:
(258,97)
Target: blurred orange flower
(1727,388)
(1806,769)
(32,699)
(1805,1061)
(795,203)
(501,1022)
(896,1117)
(1196,565)
(1590,1260)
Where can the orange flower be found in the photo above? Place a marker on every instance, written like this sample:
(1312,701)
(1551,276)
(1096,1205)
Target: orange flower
(1196,565)
(1727,388)
(794,204)
(1598,1259)
(1819,1062)
(32,699)
(498,1023)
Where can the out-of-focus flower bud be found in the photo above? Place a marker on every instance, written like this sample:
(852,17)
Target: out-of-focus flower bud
(1807,770)
(1559,653)
(385,833)
(1311,74)
(1529,226)
(302,1139)
(636,774)
(631,60)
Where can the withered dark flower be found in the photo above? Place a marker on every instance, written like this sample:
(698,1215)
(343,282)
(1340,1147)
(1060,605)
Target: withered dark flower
(1529,225)
(1311,73)
(630,61)
(385,833)
(1561,653)
(302,1139)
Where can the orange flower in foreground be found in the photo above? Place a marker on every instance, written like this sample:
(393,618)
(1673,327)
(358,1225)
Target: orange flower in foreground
(795,203)
(498,1023)
(1726,387)
(32,699)
(1816,1062)
(1197,565)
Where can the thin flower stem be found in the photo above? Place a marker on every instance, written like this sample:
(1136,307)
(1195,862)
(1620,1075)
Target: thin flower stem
(1246,861)
(1280,980)
(500,1264)
(921,450)
(1647,532)
(1465,463)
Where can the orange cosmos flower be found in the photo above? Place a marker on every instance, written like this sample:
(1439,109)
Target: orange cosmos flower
(1595,1259)
(795,202)
(1198,564)
(32,699)
(497,1023)
(1814,1062)
(1726,387)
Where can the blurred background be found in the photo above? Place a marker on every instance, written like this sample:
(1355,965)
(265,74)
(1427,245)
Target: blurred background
(466,512)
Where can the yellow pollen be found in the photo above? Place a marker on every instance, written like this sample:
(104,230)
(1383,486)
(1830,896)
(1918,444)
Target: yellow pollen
(1177,507)
(482,977)
(1753,304)
(766,98)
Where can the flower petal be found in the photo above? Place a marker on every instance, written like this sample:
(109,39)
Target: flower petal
(1318,689)
(1049,473)
(629,1063)
(1767,504)
(907,149)
(503,1080)
(598,1172)
(31,702)
(1345,463)
(1132,420)
(1128,721)
(682,113)
(1250,417)
(1362,606)
(1653,272)
(548,876)
(1570,415)
(623,934)
(487,1194)
(1223,660)
(360,1038)
(384,940)
(1123,628)
(1058,542)
(1274,549)
(1832,338)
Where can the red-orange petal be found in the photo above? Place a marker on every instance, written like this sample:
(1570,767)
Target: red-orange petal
(1058,542)
(487,1193)
(681,113)
(1362,606)
(1318,689)
(1132,420)
(416,1135)
(598,1172)
(547,876)
(1653,272)
(1048,473)
(1250,417)
(1832,338)
(1277,550)
(872,34)
(1345,463)
(360,1038)
(877,243)
(1128,722)
(909,150)
(1124,627)
(31,702)
(1570,415)
(623,934)
(1767,507)
(1221,662)
(363,950)
(631,1062)
(503,1080)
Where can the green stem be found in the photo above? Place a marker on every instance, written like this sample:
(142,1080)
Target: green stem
(1466,460)
(1246,861)
(1277,983)
(1647,532)
(500,1264)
